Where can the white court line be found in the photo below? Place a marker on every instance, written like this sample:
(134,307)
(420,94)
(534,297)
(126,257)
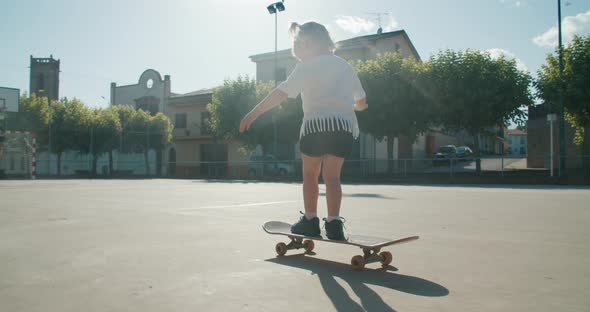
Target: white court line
(251,204)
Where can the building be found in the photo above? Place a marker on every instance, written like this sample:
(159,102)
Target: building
(44,77)
(358,48)
(9,100)
(539,138)
(149,94)
(14,157)
(194,151)
(516,140)
(364,48)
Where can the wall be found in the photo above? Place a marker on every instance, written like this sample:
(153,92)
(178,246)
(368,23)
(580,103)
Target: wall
(187,157)
(10,98)
(126,95)
(265,67)
(193,120)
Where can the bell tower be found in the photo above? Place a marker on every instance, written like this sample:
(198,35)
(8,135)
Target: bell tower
(44,80)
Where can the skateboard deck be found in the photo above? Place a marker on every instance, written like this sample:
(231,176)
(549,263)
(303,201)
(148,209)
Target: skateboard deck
(370,245)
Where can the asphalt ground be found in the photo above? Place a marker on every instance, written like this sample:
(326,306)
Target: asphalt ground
(183,245)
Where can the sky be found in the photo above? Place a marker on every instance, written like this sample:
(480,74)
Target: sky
(201,43)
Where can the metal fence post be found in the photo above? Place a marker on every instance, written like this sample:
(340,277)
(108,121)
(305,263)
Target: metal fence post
(451,165)
(91,148)
(502,174)
(405,167)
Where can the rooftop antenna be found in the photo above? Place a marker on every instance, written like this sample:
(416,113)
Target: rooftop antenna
(377,16)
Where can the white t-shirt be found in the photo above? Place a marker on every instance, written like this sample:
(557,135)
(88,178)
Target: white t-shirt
(329,88)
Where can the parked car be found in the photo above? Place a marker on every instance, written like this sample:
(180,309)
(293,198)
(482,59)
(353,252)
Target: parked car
(268,165)
(444,155)
(464,153)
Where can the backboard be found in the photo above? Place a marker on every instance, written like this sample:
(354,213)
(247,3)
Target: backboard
(9,99)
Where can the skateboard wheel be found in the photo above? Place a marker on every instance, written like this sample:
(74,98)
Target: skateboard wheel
(308,244)
(358,263)
(387,258)
(281,249)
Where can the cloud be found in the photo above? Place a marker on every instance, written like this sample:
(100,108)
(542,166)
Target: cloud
(571,25)
(356,24)
(391,25)
(497,53)
(515,3)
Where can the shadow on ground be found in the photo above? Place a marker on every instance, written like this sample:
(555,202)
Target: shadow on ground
(370,301)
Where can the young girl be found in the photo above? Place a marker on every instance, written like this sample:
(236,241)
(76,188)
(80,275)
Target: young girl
(330,92)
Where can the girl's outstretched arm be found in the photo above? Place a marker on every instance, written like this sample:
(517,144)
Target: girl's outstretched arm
(275,98)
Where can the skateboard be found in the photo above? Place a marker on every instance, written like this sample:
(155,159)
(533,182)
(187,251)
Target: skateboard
(371,246)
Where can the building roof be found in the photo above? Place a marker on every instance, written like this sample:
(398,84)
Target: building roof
(198,97)
(269,55)
(362,40)
(193,93)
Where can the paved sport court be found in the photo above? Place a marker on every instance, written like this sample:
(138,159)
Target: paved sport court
(183,245)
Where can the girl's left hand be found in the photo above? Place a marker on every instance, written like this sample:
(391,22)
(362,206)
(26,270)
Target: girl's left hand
(246,122)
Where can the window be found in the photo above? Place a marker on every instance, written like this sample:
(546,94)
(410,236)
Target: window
(2,105)
(205,129)
(151,108)
(522,140)
(12,163)
(180,121)
(40,82)
(150,104)
(281,74)
(22,163)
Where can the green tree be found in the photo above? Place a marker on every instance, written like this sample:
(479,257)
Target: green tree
(76,126)
(229,104)
(47,121)
(125,113)
(397,101)
(36,112)
(139,129)
(236,98)
(60,142)
(160,136)
(105,131)
(574,83)
(138,135)
(472,92)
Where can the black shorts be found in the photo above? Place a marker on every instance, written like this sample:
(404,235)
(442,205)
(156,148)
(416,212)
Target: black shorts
(336,143)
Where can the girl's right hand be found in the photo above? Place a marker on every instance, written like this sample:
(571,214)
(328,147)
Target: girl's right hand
(361,105)
(246,122)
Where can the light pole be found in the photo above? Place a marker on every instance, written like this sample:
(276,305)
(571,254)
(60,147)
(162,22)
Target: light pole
(275,8)
(561,108)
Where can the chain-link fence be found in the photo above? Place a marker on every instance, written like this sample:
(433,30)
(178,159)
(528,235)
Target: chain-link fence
(84,153)
(496,167)
(104,152)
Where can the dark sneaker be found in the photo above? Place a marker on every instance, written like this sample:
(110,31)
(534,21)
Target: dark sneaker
(306,227)
(335,229)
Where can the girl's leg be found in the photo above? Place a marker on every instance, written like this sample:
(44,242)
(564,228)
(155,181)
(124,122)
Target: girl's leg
(331,176)
(311,172)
